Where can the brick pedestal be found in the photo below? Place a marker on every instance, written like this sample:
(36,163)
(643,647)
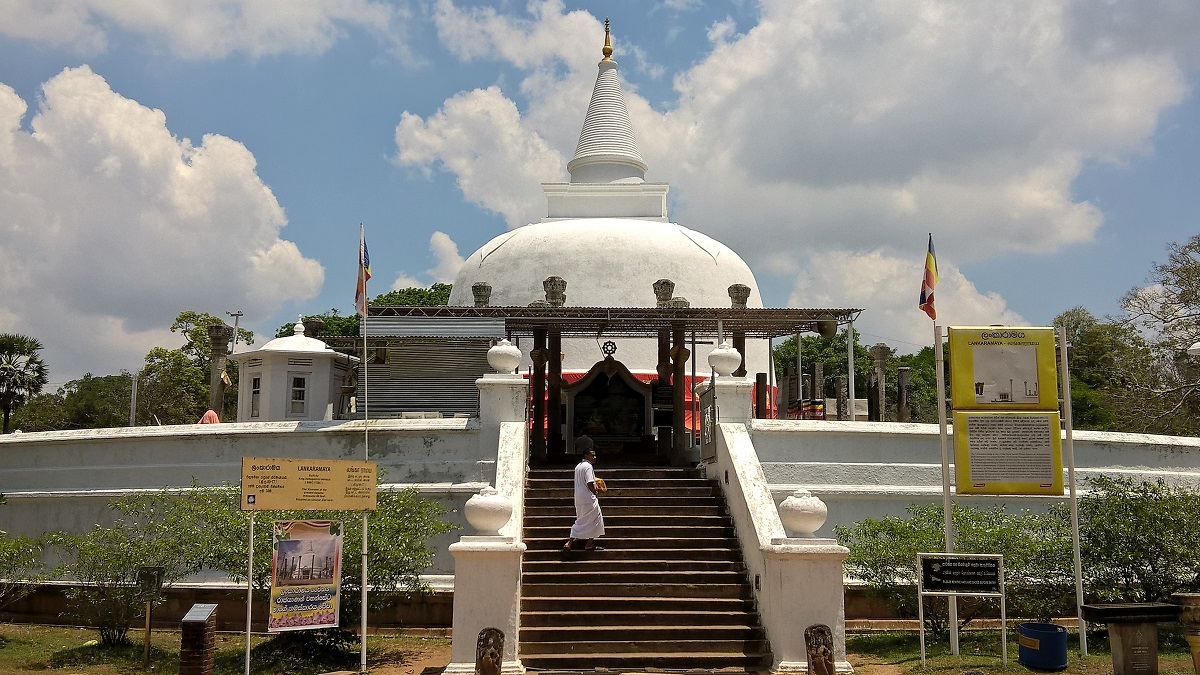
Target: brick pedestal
(198,642)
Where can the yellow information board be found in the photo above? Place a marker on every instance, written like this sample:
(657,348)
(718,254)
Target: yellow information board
(270,484)
(1002,368)
(1008,453)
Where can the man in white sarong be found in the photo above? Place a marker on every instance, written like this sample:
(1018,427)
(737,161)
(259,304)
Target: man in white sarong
(589,521)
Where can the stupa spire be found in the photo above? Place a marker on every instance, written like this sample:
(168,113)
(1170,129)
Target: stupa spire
(607,151)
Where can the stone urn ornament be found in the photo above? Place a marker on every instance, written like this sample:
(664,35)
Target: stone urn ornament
(802,514)
(504,357)
(488,511)
(724,359)
(1189,616)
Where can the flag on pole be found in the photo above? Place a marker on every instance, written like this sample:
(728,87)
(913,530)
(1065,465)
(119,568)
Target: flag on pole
(928,281)
(364,273)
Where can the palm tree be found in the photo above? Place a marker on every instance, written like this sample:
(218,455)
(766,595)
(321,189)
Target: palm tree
(22,372)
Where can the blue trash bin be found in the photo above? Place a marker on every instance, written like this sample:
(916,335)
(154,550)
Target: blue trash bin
(1042,646)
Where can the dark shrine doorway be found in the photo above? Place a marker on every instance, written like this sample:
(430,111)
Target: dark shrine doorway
(612,407)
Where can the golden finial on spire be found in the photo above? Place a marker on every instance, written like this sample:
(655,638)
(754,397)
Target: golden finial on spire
(607,42)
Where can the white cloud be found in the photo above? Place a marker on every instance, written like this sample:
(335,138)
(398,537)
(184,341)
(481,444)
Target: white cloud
(833,126)
(203,30)
(445,252)
(404,281)
(112,226)
(889,287)
(480,138)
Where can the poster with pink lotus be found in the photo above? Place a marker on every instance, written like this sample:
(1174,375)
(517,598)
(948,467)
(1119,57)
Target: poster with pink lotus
(306,572)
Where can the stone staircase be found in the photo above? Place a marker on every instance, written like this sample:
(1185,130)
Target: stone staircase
(668,592)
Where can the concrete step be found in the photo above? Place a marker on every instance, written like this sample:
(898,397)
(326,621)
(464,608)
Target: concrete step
(625,490)
(639,639)
(567,509)
(534,619)
(696,656)
(617,577)
(611,544)
(633,552)
(591,605)
(615,530)
(610,590)
(621,473)
(587,565)
(681,521)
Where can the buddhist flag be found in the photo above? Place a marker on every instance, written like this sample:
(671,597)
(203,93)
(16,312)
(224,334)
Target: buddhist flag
(928,281)
(364,273)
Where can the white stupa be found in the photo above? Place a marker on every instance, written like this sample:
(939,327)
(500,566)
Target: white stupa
(608,235)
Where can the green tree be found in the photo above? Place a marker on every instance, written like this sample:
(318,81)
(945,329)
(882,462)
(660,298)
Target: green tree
(44,412)
(347,326)
(194,327)
(1167,312)
(832,353)
(1107,360)
(173,389)
(22,372)
(437,294)
(1132,543)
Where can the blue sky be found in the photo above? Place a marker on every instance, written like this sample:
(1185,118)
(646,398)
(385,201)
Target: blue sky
(220,157)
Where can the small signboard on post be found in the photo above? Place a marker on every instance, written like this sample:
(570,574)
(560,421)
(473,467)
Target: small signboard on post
(954,574)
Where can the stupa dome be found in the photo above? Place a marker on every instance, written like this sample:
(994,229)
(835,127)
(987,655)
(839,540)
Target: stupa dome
(606,262)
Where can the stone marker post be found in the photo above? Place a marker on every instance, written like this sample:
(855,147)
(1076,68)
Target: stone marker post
(880,352)
(903,390)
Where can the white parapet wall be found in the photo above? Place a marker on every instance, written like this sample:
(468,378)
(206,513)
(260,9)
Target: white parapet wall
(64,480)
(872,469)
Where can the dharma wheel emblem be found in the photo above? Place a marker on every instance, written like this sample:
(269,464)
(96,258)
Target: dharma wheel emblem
(609,348)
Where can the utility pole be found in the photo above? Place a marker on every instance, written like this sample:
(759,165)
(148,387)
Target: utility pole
(236,315)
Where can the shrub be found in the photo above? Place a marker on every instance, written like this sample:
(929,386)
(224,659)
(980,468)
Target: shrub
(1138,540)
(20,557)
(1036,549)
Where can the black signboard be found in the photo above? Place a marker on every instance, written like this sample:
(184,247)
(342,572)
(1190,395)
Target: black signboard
(149,581)
(952,574)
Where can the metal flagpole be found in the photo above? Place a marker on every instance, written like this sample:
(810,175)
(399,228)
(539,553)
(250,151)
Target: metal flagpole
(249,590)
(947,508)
(362,663)
(1070,451)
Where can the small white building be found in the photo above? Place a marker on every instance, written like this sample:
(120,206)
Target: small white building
(294,378)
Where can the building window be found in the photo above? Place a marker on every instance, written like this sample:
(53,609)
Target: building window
(255,395)
(299,385)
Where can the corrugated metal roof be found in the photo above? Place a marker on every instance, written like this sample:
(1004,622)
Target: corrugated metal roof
(440,327)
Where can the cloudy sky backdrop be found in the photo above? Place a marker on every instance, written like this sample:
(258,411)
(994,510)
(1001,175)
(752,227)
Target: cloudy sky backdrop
(156,157)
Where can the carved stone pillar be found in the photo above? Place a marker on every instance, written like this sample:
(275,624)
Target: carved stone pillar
(738,294)
(843,397)
(219,335)
(881,352)
(903,389)
(482,292)
(556,291)
(663,290)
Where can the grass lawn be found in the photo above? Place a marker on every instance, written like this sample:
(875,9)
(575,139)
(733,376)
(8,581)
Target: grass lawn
(891,653)
(52,649)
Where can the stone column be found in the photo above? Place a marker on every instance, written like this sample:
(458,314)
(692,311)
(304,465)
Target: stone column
(881,352)
(538,380)
(503,396)
(556,291)
(903,389)
(219,335)
(554,440)
(482,293)
(738,294)
(679,431)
